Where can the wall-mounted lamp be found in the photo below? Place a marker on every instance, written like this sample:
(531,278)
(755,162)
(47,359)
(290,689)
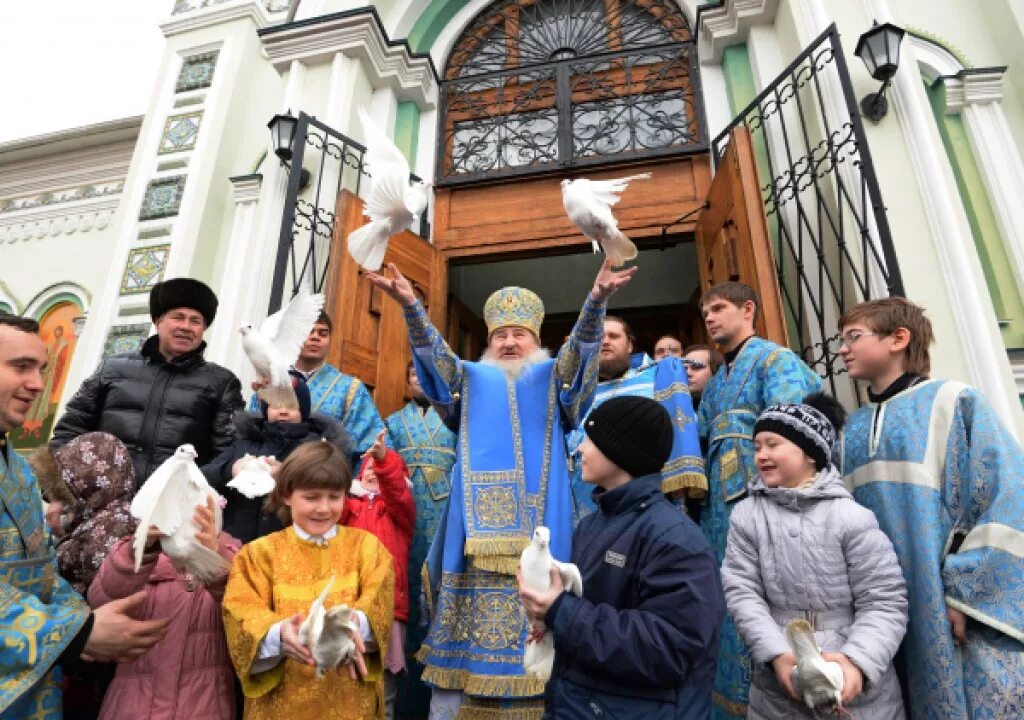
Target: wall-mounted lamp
(879,48)
(282,139)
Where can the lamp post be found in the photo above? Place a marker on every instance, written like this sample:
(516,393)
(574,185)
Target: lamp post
(879,49)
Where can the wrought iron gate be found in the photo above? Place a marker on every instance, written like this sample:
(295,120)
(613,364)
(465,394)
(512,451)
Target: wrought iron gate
(831,240)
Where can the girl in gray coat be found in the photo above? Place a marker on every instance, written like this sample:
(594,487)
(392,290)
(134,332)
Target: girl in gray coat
(800,547)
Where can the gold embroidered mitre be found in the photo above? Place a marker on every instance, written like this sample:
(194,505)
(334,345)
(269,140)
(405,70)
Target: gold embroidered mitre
(514,306)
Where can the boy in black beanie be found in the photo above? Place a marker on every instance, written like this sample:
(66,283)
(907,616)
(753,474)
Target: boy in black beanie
(642,642)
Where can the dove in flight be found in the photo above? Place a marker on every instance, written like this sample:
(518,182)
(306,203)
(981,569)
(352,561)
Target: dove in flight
(274,348)
(328,633)
(535,565)
(817,680)
(394,201)
(167,501)
(253,479)
(588,203)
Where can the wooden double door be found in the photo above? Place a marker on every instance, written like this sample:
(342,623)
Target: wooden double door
(524,217)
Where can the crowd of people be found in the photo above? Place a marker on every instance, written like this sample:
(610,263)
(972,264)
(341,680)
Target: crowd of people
(726,517)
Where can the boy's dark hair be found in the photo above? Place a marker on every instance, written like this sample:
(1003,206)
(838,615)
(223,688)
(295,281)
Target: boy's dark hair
(887,315)
(735,292)
(325,319)
(625,327)
(716,357)
(312,465)
(18,322)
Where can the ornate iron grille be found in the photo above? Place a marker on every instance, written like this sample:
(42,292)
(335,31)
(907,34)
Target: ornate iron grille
(832,245)
(536,85)
(333,161)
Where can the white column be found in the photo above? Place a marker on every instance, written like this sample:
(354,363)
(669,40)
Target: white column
(978,95)
(340,92)
(239,302)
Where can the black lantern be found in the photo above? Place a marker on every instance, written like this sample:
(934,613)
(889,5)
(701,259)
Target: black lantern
(879,48)
(282,133)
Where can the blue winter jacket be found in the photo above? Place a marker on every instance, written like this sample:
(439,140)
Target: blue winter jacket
(642,642)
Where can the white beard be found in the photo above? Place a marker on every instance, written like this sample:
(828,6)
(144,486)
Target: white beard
(513,369)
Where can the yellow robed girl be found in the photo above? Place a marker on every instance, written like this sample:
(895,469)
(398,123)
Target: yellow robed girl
(275,579)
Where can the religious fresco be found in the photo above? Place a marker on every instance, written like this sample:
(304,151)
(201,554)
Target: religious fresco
(57,330)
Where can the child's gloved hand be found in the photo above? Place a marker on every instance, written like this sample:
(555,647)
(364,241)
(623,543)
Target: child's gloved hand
(783,665)
(290,641)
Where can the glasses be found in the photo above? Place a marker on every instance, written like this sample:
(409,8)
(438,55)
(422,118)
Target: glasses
(695,364)
(850,338)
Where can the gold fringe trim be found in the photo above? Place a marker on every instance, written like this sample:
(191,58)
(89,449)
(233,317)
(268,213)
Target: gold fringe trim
(504,564)
(428,595)
(488,686)
(480,709)
(733,708)
(695,483)
(496,546)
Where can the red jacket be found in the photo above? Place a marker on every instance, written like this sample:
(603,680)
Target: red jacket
(390,516)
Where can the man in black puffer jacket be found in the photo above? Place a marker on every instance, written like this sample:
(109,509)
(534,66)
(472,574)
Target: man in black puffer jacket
(642,642)
(164,395)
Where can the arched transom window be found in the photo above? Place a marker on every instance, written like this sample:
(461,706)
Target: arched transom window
(535,85)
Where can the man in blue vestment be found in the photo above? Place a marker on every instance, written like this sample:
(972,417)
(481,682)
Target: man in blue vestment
(621,372)
(43,622)
(333,393)
(417,433)
(512,409)
(757,373)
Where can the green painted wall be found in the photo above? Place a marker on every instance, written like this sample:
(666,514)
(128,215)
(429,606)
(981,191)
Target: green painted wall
(995,262)
(430,24)
(407,130)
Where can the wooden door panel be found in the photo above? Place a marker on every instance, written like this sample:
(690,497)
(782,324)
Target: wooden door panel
(370,340)
(732,235)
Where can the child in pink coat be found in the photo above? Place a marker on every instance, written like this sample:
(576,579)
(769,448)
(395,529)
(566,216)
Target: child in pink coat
(188,674)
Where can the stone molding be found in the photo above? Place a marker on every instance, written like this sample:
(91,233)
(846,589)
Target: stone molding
(727,24)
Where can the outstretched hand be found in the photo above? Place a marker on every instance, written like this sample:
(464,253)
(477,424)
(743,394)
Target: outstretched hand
(396,286)
(609,281)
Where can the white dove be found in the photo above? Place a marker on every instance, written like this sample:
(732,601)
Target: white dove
(588,203)
(167,501)
(253,479)
(275,347)
(817,680)
(394,201)
(328,633)
(535,565)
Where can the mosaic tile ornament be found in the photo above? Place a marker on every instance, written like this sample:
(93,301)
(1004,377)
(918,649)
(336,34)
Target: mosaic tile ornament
(196,72)
(144,268)
(125,339)
(163,198)
(180,132)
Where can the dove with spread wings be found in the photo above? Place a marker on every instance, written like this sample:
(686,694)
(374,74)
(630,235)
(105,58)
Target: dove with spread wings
(274,348)
(394,200)
(588,203)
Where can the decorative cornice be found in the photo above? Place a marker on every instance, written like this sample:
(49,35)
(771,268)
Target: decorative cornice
(98,190)
(198,15)
(53,221)
(728,23)
(973,85)
(357,34)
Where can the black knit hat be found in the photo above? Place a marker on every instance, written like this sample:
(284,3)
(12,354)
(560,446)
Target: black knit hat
(183,292)
(811,425)
(635,433)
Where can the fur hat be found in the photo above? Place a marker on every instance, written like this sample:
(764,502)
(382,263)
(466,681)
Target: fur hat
(633,432)
(183,292)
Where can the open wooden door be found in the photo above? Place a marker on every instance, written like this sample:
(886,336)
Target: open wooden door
(370,340)
(732,235)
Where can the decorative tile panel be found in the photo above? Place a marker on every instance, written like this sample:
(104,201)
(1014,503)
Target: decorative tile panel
(163,198)
(145,268)
(180,132)
(125,339)
(196,72)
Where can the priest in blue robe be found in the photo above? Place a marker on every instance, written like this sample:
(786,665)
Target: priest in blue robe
(512,411)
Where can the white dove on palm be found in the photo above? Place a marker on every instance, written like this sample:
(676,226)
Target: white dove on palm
(817,680)
(328,633)
(167,501)
(253,479)
(274,348)
(394,201)
(588,203)
(535,565)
